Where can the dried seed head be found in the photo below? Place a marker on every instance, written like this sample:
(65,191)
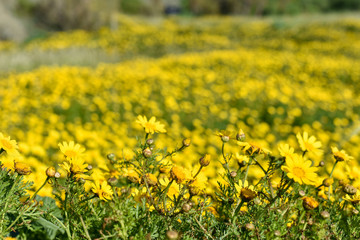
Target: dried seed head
(150,141)
(325,214)
(349,189)
(257,201)
(302,193)
(112,181)
(147,152)
(233,174)
(321,163)
(172,235)
(89,167)
(355,211)
(249,226)
(112,158)
(57,175)
(277,233)
(186,207)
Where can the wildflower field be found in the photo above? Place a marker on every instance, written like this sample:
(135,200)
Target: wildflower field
(208,128)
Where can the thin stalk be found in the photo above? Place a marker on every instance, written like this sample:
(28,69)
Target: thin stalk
(238,207)
(247,170)
(331,173)
(85,228)
(198,172)
(34,195)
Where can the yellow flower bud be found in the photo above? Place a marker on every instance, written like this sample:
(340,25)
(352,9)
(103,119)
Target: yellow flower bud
(50,172)
(205,160)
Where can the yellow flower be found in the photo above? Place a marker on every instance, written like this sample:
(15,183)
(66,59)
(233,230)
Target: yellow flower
(8,145)
(173,189)
(139,195)
(198,185)
(300,170)
(340,156)
(309,203)
(151,126)
(246,194)
(150,178)
(71,150)
(74,165)
(286,151)
(180,174)
(309,144)
(354,199)
(103,190)
(253,148)
(22,168)
(241,159)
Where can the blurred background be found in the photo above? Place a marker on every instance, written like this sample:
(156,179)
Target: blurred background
(22,20)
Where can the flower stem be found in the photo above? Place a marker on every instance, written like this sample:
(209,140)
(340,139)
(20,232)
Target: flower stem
(247,170)
(34,195)
(331,173)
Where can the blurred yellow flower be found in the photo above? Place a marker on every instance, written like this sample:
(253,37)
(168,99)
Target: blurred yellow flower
(151,126)
(340,156)
(8,145)
(71,150)
(180,174)
(300,170)
(286,151)
(309,144)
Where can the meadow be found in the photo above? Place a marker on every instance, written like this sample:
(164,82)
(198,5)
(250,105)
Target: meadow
(258,97)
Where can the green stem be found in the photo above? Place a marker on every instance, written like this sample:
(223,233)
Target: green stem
(62,225)
(198,172)
(238,207)
(85,228)
(247,171)
(18,217)
(331,173)
(34,195)
(223,151)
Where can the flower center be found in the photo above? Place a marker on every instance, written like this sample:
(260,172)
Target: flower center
(309,146)
(6,144)
(150,126)
(299,172)
(70,153)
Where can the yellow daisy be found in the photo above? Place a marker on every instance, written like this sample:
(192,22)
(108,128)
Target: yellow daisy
(253,148)
(151,126)
(286,151)
(102,190)
(340,156)
(71,150)
(74,165)
(8,145)
(309,144)
(300,170)
(174,188)
(180,174)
